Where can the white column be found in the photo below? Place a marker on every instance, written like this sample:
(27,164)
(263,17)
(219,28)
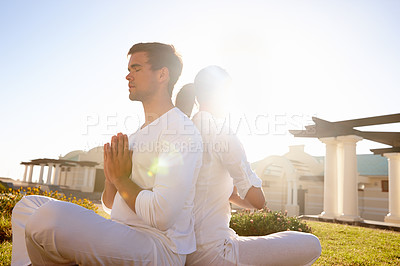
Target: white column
(71,180)
(66,176)
(41,173)
(291,205)
(73,177)
(85,187)
(25,172)
(76,183)
(394,188)
(30,173)
(350,186)
(339,177)
(62,176)
(86,176)
(49,170)
(56,175)
(330,179)
(294,199)
(289,193)
(92,178)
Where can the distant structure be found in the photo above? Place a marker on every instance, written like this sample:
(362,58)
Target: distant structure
(340,174)
(295,182)
(78,170)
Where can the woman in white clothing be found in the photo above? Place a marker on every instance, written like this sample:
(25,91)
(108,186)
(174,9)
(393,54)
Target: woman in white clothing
(226,176)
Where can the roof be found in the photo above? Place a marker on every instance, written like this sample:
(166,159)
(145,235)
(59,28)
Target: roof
(46,161)
(369,164)
(324,129)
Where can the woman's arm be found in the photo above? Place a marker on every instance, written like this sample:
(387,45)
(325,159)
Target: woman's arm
(254,198)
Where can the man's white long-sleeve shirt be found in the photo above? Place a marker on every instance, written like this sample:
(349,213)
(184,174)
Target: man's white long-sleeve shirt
(167,156)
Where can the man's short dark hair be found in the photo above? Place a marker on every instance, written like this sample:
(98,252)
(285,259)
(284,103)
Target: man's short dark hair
(161,55)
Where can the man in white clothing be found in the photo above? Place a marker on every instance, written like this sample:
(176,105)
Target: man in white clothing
(149,187)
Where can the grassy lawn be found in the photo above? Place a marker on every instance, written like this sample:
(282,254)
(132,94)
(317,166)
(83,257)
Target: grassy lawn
(341,245)
(353,245)
(5,253)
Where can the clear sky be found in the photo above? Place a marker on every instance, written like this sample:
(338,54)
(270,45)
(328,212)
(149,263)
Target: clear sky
(63,66)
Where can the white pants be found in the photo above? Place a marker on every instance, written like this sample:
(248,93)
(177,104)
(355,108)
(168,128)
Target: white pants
(51,232)
(283,248)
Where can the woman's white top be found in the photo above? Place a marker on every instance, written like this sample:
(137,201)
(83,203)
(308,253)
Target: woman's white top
(224,165)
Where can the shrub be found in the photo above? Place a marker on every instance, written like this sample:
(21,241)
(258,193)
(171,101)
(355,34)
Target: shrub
(11,197)
(2,187)
(265,222)
(5,228)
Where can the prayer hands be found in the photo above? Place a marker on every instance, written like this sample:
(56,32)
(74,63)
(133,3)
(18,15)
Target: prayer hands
(117,159)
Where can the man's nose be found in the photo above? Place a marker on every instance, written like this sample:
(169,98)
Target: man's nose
(128,77)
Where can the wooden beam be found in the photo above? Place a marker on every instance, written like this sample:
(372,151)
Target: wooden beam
(371,121)
(385,150)
(389,138)
(325,129)
(303,134)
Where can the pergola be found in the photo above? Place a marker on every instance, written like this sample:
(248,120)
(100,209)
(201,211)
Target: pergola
(340,184)
(53,178)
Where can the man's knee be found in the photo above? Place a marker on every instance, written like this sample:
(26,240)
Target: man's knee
(313,246)
(45,219)
(27,206)
(307,244)
(31,203)
(54,216)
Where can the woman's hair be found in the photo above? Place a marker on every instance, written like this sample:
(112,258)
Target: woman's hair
(185,99)
(209,86)
(210,82)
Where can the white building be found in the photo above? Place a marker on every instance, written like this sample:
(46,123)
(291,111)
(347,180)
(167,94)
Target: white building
(295,182)
(77,170)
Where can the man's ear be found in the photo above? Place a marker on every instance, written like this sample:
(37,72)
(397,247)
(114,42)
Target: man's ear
(164,74)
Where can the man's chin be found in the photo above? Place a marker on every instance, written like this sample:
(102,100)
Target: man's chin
(133,98)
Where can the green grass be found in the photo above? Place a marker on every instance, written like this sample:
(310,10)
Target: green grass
(341,245)
(103,213)
(5,253)
(353,245)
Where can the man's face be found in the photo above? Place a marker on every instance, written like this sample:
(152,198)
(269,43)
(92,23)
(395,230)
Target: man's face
(142,79)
